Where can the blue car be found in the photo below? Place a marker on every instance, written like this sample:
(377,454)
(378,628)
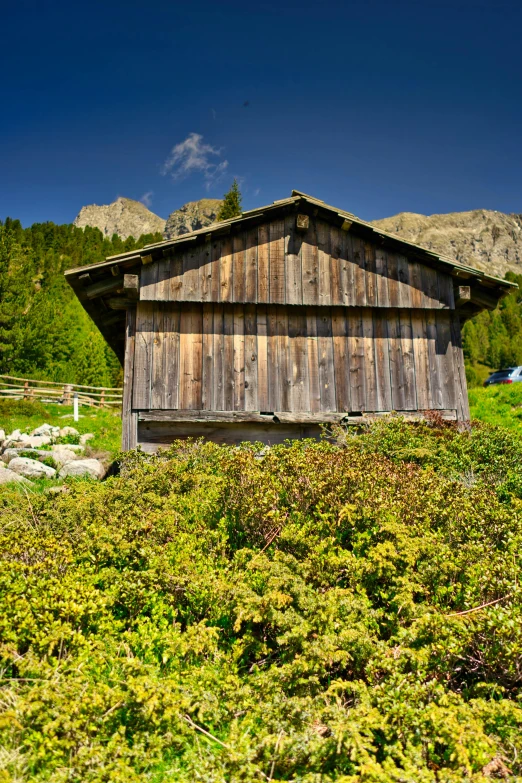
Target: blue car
(509,375)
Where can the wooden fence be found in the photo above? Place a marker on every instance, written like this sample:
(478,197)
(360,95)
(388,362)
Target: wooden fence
(61,393)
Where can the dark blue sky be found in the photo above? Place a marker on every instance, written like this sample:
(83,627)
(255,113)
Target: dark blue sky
(377,107)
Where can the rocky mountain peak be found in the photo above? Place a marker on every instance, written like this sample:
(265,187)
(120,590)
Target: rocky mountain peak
(192,216)
(488,240)
(124,217)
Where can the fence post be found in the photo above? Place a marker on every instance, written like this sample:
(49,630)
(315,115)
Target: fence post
(67,391)
(102,399)
(26,390)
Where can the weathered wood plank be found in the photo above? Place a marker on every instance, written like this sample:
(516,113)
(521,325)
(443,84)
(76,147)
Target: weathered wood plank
(294,279)
(408,363)
(205,272)
(370,377)
(274,385)
(421,359)
(371,274)
(396,365)
(238,247)
(313,360)
(381,274)
(461,391)
(283,352)
(393,280)
(227,269)
(228,358)
(446,294)
(356,360)
(176,276)
(263,264)
(219,359)
(207,378)
(445,359)
(277,261)
(382,361)
(298,367)
(156,435)
(162,288)
(159,358)
(262,359)
(273,419)
(348,267)
(171,320)
(360,271)
(323,263)
(435,381)
(129,417)
(430,286)
(341,372)
(336,261)
(215,283)
(192,258)
(251,358)
(417,295)
(325,348)
(403,274)
(251,265)
(239,358)
(310,266)
(143,354)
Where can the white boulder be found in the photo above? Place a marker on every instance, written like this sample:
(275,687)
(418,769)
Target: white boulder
(62,454)
(37,441)
(31,468)
(46,429)
(68,431)
(7,476)
(2,436)
(84,438)
(83,467)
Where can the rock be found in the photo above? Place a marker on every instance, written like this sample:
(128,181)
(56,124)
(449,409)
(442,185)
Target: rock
(36,441)
(56,490)
(84,438)
(485,239)
(46,429)
(68,431)
(71,416)
(191,216)
(124,217)
(7,476)
(12,453)
(62,454)
(83,467)
(31,468)
(2,436)
(15,435)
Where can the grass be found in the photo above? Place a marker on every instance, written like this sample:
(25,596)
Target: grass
(104,423)
(499,405)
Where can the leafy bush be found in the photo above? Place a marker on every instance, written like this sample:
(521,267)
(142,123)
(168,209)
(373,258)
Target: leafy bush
(327,613)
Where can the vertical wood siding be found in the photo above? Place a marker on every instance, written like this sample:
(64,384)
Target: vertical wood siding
(211,356)
(273,263)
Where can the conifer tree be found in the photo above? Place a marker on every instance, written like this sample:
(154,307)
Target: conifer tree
(231,206)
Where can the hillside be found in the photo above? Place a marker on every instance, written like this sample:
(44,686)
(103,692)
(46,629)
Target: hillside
(329,612)
(124,217)
(490,241)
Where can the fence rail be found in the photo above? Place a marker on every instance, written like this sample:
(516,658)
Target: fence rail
(62,393)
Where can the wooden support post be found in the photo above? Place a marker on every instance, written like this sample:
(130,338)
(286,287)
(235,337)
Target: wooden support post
(462,294)
(67,393)
(131,286)
(26,390)
(102,400)
(302,222)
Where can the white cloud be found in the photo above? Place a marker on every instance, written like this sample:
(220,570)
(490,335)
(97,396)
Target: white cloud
(147,198)
(192,156)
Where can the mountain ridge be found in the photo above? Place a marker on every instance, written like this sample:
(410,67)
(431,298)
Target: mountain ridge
(486,239)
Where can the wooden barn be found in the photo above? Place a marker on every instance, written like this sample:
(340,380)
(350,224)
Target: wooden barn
(266,326)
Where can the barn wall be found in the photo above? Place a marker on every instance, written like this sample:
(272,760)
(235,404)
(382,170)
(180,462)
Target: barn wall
(273,263)
(227,357)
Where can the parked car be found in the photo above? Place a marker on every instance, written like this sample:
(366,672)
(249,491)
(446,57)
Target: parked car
(509,375)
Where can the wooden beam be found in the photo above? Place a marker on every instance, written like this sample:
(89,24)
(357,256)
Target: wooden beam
(483,299)
(147,259)
(131,286)
(347,224)
(104,287)
(120,303)
(115,271)
(279,417)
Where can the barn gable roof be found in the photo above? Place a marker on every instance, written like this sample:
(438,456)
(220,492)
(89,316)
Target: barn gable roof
(93,283)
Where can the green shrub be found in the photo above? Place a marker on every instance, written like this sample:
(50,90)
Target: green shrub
(326,613)
(10,408)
